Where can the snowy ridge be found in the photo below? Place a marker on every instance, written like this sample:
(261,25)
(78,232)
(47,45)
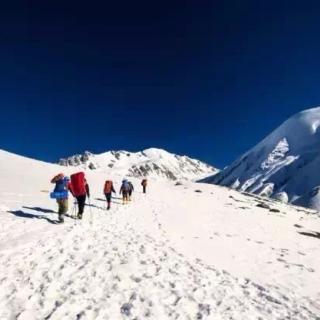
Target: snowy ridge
(285,165)
(150,162)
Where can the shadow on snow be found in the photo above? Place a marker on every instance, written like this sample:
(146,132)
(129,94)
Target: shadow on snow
(312,234)
(40,209)
(22,214)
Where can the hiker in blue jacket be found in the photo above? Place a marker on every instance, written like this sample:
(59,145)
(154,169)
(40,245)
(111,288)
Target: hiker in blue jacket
(60,193)
(124,190)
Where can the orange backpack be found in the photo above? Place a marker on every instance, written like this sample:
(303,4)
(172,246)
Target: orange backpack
(108,186)
(57,178)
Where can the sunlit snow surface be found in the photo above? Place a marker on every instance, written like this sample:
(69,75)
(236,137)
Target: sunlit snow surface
(190,251)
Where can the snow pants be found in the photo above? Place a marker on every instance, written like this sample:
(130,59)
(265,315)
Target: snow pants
(62,206)
(108,197)
(125,196)
(81,203)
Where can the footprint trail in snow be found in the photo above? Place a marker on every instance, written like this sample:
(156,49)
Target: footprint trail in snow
(113,269)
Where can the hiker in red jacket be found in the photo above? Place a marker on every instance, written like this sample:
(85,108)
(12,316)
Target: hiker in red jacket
(80,190)
(108,189)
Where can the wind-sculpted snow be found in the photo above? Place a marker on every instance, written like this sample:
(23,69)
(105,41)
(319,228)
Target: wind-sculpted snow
(285,165)
(150,162)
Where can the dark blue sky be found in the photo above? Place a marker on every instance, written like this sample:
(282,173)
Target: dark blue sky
(204,78)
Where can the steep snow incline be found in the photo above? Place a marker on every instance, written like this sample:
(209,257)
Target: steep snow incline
(190,251)
(285,165)
(152,162)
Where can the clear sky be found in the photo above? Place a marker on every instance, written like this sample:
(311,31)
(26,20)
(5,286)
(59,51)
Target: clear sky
(204,78)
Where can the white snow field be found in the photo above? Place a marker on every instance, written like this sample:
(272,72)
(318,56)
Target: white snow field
(190,251)
(284,165)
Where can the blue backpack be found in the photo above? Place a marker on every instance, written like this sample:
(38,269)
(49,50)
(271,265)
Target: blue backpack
(125,185)
(61,189)
(59,195)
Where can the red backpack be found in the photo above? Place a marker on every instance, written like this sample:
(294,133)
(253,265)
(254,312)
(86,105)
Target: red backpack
(108,186)
(78,183)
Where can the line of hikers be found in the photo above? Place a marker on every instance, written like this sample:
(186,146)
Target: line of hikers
(79,188)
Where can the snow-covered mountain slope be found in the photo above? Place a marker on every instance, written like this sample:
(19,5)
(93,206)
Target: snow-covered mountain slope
(285,165)
(187,251)
(150,162)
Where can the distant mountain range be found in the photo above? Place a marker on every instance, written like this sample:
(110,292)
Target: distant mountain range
(150,162)
(284,166)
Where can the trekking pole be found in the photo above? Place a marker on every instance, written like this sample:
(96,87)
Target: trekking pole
(90,210)
(74,209)
(105,205)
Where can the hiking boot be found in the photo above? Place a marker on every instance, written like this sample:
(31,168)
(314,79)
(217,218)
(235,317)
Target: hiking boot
(61,219)
(80,216)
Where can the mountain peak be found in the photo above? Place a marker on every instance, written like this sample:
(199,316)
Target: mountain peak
(156,153)
(286,162)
